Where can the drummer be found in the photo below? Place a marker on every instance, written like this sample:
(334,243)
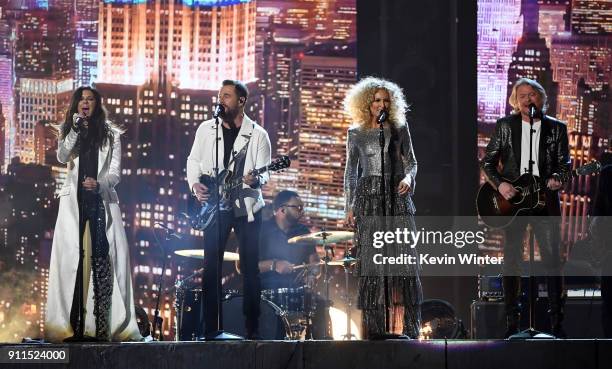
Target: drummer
(278,259)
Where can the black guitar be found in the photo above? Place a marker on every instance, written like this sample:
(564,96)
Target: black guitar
(497,212)
(205,214)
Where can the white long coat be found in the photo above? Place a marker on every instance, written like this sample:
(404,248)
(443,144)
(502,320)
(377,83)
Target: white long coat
(65,250)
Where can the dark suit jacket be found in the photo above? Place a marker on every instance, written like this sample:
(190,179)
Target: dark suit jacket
(505,147)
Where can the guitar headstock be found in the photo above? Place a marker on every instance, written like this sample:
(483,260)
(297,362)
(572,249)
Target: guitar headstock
(593,167)
(280,163)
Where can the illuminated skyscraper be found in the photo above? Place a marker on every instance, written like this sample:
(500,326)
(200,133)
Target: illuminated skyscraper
(191,45)
(33,52)
(3,121)
(282,64)
(532,58)
(86,41)
(553,18)
(7,105)
(45,144)
(28,216)
(576,57)
(592,17)
(592,112)
(499,26)
(44,45)
(282,109)
(344,21)
(39,100)
(328,71)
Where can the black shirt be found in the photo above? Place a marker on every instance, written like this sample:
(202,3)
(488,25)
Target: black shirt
(229,137)
(88,166)
(273,245)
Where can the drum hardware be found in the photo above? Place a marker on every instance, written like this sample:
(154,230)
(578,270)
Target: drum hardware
(157,319)
(346,263)
(322,238)
(199,254)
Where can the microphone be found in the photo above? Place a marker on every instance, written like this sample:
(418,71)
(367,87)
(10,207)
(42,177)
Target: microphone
(382,116)
(218,111)
(77,121)
(533,110)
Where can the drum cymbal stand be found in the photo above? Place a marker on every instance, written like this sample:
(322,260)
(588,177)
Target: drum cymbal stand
(328,249)
(348,261)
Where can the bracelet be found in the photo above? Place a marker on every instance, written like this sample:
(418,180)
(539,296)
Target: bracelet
(273,266)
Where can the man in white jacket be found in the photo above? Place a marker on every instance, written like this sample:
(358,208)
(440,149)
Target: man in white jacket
(242,146)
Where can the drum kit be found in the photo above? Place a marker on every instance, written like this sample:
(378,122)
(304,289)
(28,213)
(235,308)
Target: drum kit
(286,313)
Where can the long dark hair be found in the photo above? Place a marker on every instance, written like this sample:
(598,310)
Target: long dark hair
(100,130)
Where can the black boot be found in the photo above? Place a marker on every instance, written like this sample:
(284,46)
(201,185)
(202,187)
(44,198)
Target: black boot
(556,304)
(512,290)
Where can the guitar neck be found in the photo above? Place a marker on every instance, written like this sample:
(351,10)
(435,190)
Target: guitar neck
(569,175)
(237,182)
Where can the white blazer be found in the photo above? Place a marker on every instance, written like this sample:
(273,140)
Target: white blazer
(201,160)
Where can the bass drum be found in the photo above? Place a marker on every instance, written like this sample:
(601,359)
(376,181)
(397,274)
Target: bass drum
(273,324)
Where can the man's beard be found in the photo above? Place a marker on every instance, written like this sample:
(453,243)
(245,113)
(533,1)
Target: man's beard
(229,116)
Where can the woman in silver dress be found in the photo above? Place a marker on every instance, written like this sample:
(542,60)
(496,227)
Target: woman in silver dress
(389,296)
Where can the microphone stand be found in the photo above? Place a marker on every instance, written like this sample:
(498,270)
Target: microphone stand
(79,332)
(531,332)
(157,320)
(219,334)
(381,140)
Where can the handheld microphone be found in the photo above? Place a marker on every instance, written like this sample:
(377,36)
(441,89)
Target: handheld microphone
(533,110)
(218,111)
(78,124)
(382,116)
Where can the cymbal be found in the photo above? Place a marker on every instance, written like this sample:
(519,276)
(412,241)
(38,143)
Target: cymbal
(307,266)
(199,254)
(341,262)
(319,238)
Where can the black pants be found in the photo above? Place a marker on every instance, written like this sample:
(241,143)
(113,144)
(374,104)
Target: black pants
(547,232)
(91,209)
(248,238)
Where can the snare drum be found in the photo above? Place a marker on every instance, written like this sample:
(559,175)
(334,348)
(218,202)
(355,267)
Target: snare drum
(291,300)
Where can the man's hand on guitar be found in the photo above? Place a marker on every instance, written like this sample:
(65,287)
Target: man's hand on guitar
(200,192)
(553,183)
(251,180)
(506,190)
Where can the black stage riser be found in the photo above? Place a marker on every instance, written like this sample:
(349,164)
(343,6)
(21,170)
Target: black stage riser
(440,354)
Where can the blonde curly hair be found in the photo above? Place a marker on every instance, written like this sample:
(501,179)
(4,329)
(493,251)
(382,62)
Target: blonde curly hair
(361,95)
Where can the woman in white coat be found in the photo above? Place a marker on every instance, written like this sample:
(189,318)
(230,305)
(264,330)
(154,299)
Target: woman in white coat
(89,218)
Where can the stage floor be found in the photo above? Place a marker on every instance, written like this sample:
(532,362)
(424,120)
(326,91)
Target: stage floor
(433,354)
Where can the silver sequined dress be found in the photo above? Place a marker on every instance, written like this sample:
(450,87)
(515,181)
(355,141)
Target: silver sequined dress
(362,186)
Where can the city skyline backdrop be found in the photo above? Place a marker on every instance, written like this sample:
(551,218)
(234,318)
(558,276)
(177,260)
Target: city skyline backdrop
(158,65)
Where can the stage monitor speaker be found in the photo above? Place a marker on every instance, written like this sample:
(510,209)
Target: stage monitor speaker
(582,318)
